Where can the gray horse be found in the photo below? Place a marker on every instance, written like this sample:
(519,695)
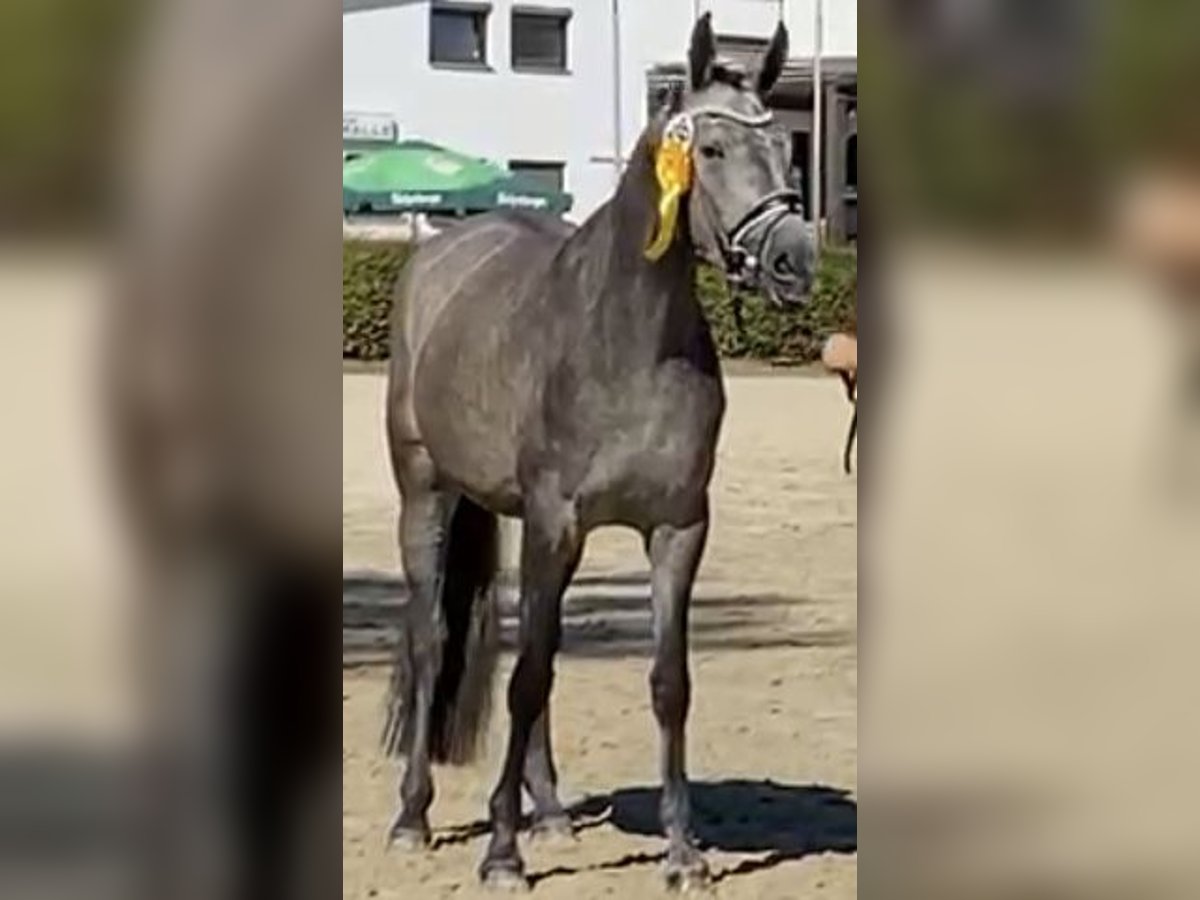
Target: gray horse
(567,378)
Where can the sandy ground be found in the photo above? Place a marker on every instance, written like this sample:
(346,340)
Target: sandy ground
(773,730)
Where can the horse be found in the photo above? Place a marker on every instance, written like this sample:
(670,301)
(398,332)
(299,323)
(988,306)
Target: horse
(567,377)
(839,355)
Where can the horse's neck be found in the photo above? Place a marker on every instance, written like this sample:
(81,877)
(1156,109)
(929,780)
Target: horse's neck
(632,302)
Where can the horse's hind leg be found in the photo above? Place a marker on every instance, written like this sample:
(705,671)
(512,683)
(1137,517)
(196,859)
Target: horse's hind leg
(424,515)
(550,549)
(674,555)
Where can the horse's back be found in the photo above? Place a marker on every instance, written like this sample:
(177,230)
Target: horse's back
(463,263)
(458,291)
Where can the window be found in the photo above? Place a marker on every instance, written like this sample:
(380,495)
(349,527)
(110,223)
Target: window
(539,39)
(458,35)
(852,162)
(661,82)
(801,145)
(544,176)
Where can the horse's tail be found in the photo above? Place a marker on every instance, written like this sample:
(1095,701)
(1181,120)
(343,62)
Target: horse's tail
(462,696)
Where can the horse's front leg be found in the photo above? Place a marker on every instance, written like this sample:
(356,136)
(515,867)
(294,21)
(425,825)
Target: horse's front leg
(550,820)
(674,556)
(550,548)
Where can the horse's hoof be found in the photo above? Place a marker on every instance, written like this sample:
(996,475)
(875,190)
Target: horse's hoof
(692,877)
(553,831)
(409,840)
(508,877)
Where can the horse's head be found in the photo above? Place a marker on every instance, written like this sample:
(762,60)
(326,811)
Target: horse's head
(743,213)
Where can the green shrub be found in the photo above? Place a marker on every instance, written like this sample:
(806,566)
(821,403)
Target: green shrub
(369,272)
(785,335)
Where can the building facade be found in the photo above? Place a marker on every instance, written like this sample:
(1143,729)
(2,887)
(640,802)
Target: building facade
(561,89)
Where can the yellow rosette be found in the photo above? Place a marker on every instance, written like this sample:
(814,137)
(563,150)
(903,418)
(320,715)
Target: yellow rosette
(673,170)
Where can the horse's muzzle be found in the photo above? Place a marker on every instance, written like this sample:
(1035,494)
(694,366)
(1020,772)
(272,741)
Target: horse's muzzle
(788,260)
(773,249)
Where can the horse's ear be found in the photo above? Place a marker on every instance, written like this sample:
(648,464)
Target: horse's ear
(703,52)
(773,60)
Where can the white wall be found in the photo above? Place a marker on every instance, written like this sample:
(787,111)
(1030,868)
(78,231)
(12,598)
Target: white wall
(665,25)
(507,115)
(500,114)
(657,31)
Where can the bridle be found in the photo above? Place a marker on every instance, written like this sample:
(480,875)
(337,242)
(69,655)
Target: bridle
(739,263)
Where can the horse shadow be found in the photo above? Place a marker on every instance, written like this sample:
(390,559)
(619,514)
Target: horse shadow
(772,823)
(604,617)
(784,822)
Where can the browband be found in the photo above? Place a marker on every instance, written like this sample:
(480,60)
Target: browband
(717,112)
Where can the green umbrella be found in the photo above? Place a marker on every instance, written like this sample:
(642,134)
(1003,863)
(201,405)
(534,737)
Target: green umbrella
(422,177)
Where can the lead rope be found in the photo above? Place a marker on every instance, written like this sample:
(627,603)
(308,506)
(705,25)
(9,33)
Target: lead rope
(736,301)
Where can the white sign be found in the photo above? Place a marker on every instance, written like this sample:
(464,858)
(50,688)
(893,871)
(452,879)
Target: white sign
(416,199)
(521,201)
(369,127)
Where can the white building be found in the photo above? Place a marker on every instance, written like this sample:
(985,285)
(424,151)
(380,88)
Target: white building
(554,86)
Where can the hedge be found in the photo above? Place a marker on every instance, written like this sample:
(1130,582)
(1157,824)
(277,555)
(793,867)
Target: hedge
(369,272)
(746,326)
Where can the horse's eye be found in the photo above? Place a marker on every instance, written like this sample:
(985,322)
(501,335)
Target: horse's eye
(712,151)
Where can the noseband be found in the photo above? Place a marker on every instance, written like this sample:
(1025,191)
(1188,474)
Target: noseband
(740,264)
(767,214)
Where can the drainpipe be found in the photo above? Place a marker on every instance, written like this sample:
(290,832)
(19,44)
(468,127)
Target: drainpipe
(618,141)
(818,92)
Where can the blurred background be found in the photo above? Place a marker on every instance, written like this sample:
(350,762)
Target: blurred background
(169,623)
(1032,453)
(168,360)
(65,65)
